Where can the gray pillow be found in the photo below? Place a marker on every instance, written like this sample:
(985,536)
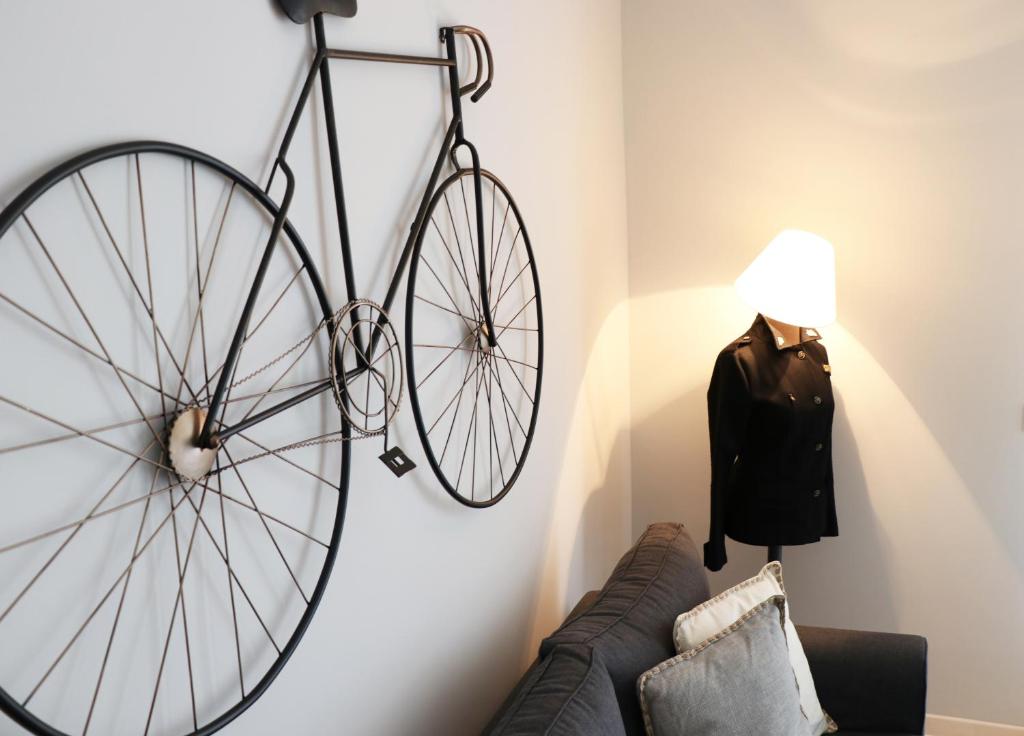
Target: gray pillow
(738,682)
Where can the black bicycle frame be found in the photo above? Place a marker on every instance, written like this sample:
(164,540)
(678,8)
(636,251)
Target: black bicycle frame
(213,433)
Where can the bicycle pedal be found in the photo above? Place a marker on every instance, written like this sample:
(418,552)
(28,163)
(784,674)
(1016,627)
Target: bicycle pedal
(397,461)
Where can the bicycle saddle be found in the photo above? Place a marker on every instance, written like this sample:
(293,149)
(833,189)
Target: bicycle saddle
(301,11)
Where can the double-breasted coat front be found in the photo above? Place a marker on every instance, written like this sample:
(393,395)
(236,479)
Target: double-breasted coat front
(770,409)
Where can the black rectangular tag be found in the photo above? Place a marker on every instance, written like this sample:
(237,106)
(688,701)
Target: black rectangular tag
(397,461)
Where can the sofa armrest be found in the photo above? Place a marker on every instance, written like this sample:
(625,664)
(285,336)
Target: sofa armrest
(869,682)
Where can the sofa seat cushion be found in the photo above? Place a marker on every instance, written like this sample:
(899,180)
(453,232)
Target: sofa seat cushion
(568,693)
(629,624)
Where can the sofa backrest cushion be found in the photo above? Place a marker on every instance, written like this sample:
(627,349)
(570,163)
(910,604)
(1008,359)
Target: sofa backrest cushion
(568,693)
(629,624)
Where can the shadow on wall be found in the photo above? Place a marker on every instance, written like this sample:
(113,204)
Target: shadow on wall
(593,497)
(578,536)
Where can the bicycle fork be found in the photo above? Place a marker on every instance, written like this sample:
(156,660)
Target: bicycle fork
(448,36)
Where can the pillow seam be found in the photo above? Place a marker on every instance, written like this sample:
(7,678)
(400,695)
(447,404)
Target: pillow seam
(776,600)
(776,570)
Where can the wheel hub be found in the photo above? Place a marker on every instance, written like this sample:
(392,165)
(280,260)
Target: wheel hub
(188,459)
(483,338)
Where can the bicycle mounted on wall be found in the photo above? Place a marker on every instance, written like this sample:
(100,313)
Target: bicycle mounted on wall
(149,345)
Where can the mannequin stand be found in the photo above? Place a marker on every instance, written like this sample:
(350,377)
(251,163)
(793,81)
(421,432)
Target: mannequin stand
(775,553)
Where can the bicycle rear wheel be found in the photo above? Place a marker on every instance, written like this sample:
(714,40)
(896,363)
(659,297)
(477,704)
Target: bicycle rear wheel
(137,597)
(475,406)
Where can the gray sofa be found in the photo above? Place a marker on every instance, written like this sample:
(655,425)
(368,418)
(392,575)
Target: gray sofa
(584,680)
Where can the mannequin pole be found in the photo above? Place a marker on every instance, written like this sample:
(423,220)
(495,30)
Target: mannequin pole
(775,553)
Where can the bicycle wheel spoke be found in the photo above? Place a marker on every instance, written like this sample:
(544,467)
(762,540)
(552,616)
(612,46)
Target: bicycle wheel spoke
(462,275)
(508,405)
(514,374)
(76,435)
(68,427)
(216,372)
(179,571)
(265,515)
(469,323)
(81,312)
(508,423)
(451,351)
(178,600)
(106,596)
(507,359)
(468,320)
(516,316)
(152,303)
(147,306)
(511,283)
(472,422)
(280,378)
(458,404)
(120,607)
(273,539)
(508,261)
(276,301)
(515,328)
(462,259)
(494,260)
(494,197)
(86,519)
(234,575)
(231,585)
(277,453)
(469,350)
(280,389)
(76,527)
(492,440)
(28,313)
(451,401)
(199,282)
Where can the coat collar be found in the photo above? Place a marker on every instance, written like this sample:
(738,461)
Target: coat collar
(768,332)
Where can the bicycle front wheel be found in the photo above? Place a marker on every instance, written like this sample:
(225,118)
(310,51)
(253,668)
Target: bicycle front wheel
(475,404)
(141,592)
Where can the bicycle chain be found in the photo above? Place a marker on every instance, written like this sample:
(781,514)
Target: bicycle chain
(279,358)
(334,436)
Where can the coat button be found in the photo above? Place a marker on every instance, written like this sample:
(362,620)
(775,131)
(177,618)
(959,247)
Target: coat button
(791,397)
(817,400)
(801,355)
(817,492)
(819,447)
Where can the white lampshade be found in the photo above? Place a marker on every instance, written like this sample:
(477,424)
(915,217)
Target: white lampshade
(793,280)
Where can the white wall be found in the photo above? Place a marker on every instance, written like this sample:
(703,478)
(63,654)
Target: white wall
(433,610)
(893,130)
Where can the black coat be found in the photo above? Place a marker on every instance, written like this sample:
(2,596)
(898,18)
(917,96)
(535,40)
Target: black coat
(770,410)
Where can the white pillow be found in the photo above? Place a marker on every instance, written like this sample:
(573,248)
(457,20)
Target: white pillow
(703,622)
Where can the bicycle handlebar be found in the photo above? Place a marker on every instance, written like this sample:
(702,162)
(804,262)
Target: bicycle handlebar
(482,49)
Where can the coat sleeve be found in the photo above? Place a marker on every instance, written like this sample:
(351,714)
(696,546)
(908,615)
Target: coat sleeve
(728,410)
(831,523)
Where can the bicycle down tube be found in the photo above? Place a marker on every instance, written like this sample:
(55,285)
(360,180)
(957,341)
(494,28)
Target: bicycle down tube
(212,433)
